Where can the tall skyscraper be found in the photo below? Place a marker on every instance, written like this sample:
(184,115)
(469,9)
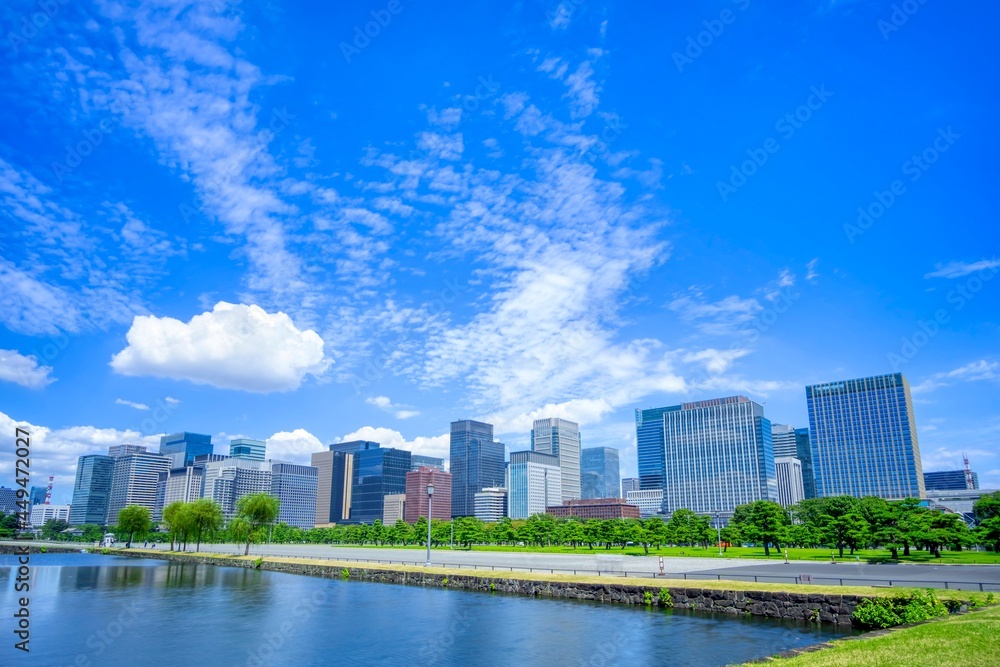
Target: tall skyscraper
(246,448)
(650,447)
(717,454)
(230,479)
(560,438)
(794,442)
(184,447)
(37,495)
(91,490)
(116,451)
(949,480)
(335,480)
(295,488)
(8,500)
(476,463)
(134,481)
(378,472)
(864,439)
(788,471)
(416,493)
(534,482)
(600,476)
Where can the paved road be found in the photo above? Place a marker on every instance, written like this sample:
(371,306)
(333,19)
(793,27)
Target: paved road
(966,577)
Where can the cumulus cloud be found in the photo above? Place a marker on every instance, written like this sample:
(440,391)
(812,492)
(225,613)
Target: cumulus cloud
(296,446)
(24,370)
(387,437)
(232,347)
(396,409)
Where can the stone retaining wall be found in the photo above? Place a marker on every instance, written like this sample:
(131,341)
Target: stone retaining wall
(812,607)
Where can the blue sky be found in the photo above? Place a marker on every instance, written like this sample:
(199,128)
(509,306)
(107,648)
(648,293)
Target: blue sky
(243,218)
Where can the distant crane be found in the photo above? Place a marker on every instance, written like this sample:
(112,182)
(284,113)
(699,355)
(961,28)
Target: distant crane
(48,491)
(969,482)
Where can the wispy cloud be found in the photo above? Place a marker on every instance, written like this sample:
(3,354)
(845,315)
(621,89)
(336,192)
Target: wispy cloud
(397,410)
(131,404)
(24,370)
(960,269)
(972,372)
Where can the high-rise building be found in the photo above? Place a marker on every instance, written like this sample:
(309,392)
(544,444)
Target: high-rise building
(230,479)
(650,447)
(476,463)
(247,448)
(600,475)
(37,495)
(378,472)
(184,447)
(718,454)
(416,493)
(534,482)
(92,490)
(115,451)
(336,479)
(949,480)
(628,484)
(295,488)
(794,442)
(648,501)
(394,508)
(595,508)
(178,485)
(491,504)
(134,481)
(418,461)
(864,438)
(560,438)
(788,472)
(42,513)
(8,501)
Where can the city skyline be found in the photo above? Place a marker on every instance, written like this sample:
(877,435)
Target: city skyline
(241,239)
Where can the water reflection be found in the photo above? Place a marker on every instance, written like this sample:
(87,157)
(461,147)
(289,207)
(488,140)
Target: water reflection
(115,611)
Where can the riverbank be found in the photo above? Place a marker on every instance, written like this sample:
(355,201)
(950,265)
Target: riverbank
(811,603)
(964,640)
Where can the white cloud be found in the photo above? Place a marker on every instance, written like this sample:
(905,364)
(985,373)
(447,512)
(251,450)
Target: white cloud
(719,318)
(972,372)
(583,411)
(428,446)
(24,370)
(131,404)
(811,273)
(172,401)
(716,361)
(960,269)
(55,451)
(232,347)
(584,92)
(396,409)
(296,446)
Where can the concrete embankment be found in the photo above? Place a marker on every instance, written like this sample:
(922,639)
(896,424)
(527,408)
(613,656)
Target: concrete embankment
(724,597)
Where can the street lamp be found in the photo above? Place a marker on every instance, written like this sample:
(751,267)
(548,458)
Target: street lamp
(430,498)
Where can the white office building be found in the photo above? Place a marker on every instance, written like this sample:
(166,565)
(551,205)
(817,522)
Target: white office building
(42,513)
(790,487)
(491,504)
(134,479)
(648,501)
(560,438)
(534,482)
(393,508)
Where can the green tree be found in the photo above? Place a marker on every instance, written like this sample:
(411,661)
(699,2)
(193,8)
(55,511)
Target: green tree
(731,535)
(684,527)
(205,518)
(656,531)
(134,519)
(175,516)
(762,522)
(53,528)
(987,507)
(989,532)
(258,510)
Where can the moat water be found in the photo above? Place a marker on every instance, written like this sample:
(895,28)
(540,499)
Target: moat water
(107,610)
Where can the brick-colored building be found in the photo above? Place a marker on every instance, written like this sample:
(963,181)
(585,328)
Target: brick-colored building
(416,494)
(595,508)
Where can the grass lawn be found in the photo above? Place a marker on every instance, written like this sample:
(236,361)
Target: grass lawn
(968,640)
(865,555)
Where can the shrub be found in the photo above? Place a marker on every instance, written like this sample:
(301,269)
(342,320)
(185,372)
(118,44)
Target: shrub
(647,598)
(665,599)
(44,550)
(493,586)
(345,574)
(444,582)
(901,608)
(105,551)
(258,562)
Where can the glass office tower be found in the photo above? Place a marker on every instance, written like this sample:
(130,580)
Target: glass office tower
(91,490)
(189,445)
(864,438)
(600,474)
(378,472)
(477,462)
(716,454)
